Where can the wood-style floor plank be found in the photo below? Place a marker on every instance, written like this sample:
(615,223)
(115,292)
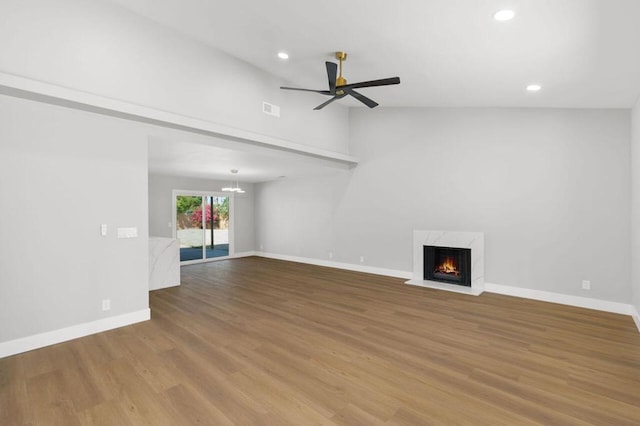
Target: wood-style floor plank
(257,341)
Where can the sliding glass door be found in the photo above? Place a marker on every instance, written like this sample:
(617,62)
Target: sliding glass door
(189,227)
(217,239)
(202,223)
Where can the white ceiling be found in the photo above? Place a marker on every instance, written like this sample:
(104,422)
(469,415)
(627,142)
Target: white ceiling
(585,53)
(448,53)
(213,158)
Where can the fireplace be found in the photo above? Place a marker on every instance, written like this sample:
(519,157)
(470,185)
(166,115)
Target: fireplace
(448,265)
(456,270)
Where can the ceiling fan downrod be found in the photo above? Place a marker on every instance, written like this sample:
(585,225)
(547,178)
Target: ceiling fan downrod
(341,81)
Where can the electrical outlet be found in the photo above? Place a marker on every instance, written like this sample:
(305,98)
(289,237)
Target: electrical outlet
(330,255)
(261,246)
(361,259)
(106,304)
(170,225)
(103,229)
(586,285)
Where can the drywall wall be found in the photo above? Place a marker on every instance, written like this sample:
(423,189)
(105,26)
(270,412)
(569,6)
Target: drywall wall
(102,48)
(160,207)
(298,217)
(549,188)
(63,173)
(635,205)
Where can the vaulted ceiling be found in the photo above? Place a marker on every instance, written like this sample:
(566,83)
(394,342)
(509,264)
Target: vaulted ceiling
(584,53)
(448,53)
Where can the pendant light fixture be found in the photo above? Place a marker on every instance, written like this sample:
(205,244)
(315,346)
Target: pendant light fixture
(232,188)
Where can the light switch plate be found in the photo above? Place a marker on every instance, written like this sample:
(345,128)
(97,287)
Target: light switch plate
(103,229)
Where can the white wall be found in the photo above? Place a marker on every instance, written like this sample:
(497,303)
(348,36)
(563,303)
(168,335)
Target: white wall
(63,173)
(298,217)
(100,47)
(635,206)
(160,207)
(550,189)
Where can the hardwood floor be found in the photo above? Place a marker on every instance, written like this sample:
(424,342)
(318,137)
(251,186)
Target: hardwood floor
(257,341)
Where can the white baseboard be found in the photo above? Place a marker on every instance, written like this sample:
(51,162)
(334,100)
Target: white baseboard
(563,299)
(48,338)
(244,254)
(636,317)
(338,265)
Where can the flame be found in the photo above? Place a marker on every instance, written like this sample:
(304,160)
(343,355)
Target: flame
(448,266)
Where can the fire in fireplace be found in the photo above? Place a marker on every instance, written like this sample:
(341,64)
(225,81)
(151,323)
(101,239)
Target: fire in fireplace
(447,264)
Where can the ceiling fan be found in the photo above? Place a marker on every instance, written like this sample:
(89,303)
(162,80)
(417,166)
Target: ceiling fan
(338,87)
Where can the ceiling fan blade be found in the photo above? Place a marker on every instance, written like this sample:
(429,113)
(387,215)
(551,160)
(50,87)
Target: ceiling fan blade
(372,83)
(362,98)
(322,92)
(332,72)
(329,101)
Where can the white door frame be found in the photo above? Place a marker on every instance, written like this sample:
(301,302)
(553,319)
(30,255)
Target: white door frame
(174,216)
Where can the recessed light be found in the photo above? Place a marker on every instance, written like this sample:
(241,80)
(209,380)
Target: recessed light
(533,88)
(504,15)
(283,55)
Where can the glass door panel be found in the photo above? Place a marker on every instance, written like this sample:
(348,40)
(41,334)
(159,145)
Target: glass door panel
(217,226)
(189,227)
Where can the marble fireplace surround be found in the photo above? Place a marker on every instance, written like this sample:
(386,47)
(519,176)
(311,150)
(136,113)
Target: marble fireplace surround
(468,240)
